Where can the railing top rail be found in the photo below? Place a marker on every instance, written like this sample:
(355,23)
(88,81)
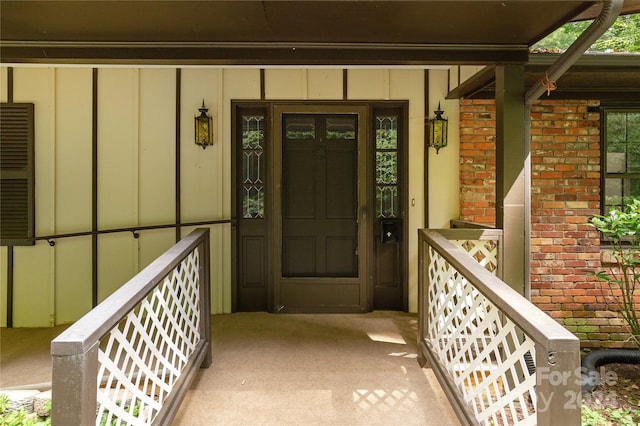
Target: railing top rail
(535,323)
(456,223)
(471,233)
(85,332)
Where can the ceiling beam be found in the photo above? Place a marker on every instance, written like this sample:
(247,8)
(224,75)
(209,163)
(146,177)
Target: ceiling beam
(260,53)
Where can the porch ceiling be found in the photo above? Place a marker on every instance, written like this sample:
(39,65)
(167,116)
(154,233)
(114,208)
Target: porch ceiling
(384,32)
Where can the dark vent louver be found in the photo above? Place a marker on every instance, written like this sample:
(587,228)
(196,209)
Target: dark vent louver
(16,174)
(13,199)
(14,135)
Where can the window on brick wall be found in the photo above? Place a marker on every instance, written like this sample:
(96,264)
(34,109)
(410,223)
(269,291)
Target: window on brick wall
(621,157)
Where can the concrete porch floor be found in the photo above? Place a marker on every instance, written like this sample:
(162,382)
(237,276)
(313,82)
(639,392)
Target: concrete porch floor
(290,369)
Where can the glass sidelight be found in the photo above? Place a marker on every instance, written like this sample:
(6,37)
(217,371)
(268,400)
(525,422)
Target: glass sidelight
(253,167)
(386,166)
(251,193)
(388,226)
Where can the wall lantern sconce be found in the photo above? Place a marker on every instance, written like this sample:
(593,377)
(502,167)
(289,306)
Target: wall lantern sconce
(203,125)
(438,129)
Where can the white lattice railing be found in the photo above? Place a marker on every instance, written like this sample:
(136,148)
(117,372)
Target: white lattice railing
(131,359)
(499,358)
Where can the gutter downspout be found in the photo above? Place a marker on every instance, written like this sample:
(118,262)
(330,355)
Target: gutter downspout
(610,11)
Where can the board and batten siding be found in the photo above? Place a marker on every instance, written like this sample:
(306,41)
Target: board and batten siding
(136,132)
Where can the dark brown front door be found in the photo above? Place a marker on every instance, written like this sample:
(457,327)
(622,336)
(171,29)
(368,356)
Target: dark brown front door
(319,196)
(321,210)
(319,207)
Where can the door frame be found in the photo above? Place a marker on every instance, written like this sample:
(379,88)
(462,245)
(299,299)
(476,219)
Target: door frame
(366,199)
(281,284)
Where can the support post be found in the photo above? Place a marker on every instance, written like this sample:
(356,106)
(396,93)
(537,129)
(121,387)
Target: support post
(512,190)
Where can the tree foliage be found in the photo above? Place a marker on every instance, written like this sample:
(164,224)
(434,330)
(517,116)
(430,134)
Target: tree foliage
(623,36)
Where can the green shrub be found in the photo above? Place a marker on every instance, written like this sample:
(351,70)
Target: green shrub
(19,417)
(622,229)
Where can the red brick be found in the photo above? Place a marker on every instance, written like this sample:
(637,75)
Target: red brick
(565,193)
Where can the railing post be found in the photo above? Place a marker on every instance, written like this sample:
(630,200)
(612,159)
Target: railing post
(76,379)
(558,389)
(422,294)
(205,298)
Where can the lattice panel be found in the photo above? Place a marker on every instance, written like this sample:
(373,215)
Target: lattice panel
(483,351)
(142,358)
(485,252)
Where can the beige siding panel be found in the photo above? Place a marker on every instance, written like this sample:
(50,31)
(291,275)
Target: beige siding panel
(409,85)
(200,189)
(453,77)
(324,84)
(468,71)
(156,172)
(157,147)
(73,278)
(117,176)
(31,286)
(203,186)
(157,162)
(73,150)
(73,193)
(3,84)
(220,289)
(34,266)
(241,83)
(285,84)
(368,84)
(444,187)
(117,262)
(117,147)
(220,286)
(153,243)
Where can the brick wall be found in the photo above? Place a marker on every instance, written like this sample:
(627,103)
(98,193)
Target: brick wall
(478,161)
(565,193)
